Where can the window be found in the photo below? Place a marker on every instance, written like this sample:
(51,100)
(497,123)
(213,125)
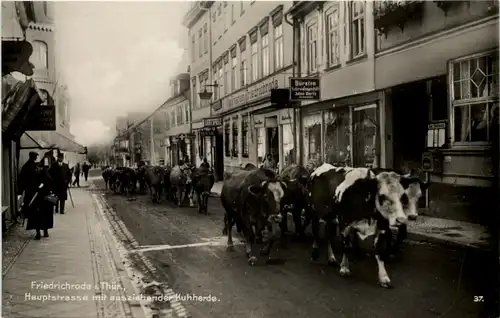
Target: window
(232,13)
(312,140)
(226,79)
(215,88)
(227,131)
(205,38)
(261,148)
(333,45)
(172,118)
(179,116)
(265,55)
(243,70)
(357,21)
(39,57)
(288,151)
(200,44)
(235,138)
(221,81)
(186,113)
(244,137)
(475,98)
(242,7)
(278,48)
(337,137)
(195,93)
(312,48)
(193,47)
(255,62)
(167,121)
(224,18)
(234,65)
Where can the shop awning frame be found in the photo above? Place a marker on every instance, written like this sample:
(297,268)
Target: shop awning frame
(50,140)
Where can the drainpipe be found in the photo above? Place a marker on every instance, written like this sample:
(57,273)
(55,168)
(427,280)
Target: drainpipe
(296,70)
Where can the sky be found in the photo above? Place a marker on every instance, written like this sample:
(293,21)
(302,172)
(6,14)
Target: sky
(116,57)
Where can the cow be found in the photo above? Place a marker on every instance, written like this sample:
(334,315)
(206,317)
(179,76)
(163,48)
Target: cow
(140,173)
(414,188)
(154,181)
(128,181)
(249,167)
(251,198)
(295,198)
(114,180)
(360,203)
(180,180)
(203,181)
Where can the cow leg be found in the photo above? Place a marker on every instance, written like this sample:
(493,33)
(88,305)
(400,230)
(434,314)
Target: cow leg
(331,234)
(179,196)
(315,231)
(402,234)
(249,236)
(205,202)
(200,202)
(297,221)
(228,226)
(381,241)
(190,196)
(346,248)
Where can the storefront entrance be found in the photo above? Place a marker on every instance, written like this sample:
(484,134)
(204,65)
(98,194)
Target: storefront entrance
(219,156)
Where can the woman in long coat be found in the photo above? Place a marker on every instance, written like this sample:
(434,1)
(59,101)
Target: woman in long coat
(40,212)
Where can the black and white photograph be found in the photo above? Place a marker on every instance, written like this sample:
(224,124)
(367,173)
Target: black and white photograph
(250,159)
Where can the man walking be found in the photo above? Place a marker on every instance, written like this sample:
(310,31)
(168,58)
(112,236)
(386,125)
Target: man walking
(77,172)
(85,169)
(61,175)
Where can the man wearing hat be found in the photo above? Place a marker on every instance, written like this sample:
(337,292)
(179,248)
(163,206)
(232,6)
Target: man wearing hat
(27,177)
(61,174)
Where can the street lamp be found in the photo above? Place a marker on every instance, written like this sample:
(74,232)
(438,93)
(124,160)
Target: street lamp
(207,95)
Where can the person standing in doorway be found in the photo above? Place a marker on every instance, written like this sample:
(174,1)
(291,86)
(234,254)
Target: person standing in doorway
(76,173)
(61,175)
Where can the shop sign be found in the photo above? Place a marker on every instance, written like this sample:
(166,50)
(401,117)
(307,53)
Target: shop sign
(304,89)
(208,132)
(42,118)
(254,92)
(258,122)
(212,122)
(285,118)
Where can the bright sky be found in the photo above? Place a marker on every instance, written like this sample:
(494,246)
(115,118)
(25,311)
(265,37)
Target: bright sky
(117,57)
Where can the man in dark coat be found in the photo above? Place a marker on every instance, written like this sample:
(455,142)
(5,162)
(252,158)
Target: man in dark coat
(61,175)
(39,212)
(85,170)
(77,172)
(27,179)
(205,164)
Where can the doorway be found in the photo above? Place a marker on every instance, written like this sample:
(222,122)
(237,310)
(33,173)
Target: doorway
(273,143)
(219,156)
(410,109)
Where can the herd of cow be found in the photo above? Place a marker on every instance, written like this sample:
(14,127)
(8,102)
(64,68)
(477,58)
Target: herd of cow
(353,203)
(178,183)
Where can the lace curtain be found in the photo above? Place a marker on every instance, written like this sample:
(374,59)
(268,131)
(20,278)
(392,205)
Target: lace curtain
(261,147)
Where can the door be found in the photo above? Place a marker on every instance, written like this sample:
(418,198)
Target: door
(365,150)
(219,156)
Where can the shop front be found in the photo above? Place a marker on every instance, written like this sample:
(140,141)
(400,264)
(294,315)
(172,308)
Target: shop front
(208,144)
(343,132)
(253,127)
(181,149)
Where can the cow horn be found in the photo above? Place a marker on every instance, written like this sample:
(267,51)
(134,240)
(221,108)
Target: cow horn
(263,184)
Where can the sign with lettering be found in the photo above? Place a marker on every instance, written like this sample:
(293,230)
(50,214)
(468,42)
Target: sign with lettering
(254,92)
(212,122)
(304,89)
(42,118)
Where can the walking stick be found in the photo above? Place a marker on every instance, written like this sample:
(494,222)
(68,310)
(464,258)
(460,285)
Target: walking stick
(71,198)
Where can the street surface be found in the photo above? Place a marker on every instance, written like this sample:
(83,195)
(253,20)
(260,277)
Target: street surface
(426,278)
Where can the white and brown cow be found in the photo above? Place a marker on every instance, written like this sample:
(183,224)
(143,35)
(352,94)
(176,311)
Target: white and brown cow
(359,203)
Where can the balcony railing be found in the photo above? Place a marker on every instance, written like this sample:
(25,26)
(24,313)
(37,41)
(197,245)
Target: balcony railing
(396,13)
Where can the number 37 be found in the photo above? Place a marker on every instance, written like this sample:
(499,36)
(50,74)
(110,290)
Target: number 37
(478,299)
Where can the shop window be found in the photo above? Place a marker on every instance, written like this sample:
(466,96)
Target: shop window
(337,137)
(312,140)
(235,138)
(475,98)
(365,137)
(227,137)
(261,147)
(244,137)
(288,151)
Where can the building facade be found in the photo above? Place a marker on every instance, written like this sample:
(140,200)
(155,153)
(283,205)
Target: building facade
(414,94)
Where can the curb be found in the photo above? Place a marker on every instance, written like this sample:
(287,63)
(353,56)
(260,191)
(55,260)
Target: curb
(418,237)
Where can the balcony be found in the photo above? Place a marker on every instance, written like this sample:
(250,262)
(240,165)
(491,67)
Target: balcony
(388,14)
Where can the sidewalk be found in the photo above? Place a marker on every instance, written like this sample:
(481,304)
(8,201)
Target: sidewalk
(80,255)
(434,230)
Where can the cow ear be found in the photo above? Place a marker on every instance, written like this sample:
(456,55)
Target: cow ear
(254,189)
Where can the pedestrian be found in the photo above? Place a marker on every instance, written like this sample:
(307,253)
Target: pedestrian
(40,211)
(61,175)
(77,172)
(85,169)
(205,164)
(27,179)
(269,162)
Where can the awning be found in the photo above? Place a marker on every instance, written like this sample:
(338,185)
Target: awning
(49,140)
(17,102)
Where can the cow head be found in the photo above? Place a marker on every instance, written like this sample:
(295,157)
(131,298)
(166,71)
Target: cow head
(413,187)
(389,196)
(271,193)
